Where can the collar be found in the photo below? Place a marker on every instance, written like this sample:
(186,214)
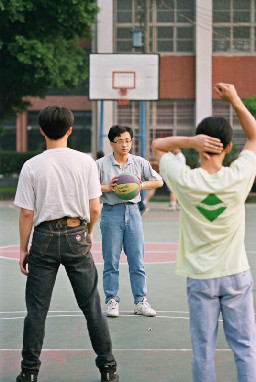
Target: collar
(115,163)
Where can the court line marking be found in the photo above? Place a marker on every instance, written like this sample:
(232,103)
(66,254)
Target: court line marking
(78,311)
(116,350)
(131,315)
(156,253)
(120,264)
(99,242)
(77,315)
(8,258)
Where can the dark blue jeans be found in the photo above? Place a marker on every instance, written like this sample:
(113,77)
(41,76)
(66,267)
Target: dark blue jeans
(53,245)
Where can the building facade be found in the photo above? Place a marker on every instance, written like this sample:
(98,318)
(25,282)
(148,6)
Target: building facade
(200,43)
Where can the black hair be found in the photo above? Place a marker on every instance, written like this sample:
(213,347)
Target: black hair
(99,154)
(117,130)
(55,121)
(216,127)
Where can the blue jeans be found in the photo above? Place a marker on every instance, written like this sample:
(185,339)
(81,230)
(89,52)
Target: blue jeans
(121,227)
(231,295)
(52,246)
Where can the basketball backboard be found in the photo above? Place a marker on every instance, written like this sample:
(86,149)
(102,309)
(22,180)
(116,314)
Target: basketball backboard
(124,76)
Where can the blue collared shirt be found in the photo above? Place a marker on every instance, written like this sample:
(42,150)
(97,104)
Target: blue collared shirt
(108,168)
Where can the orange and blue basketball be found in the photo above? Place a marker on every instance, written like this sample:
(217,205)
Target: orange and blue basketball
(127,186)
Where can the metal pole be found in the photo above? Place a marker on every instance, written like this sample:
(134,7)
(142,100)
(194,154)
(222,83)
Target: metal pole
(143,128)
(143,136)
(101,143)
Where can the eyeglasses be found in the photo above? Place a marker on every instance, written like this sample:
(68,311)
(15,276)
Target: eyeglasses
(123,141)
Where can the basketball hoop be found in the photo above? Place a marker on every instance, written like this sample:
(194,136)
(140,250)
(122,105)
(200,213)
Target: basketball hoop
(119,77)
(123,101)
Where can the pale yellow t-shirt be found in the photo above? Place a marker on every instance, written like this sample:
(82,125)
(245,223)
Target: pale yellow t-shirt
(212,216)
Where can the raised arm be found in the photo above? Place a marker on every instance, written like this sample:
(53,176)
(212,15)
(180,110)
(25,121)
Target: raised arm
(228,93)
(151,184)
(201,143)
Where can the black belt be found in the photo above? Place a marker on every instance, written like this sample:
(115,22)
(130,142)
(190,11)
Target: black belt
(69,222)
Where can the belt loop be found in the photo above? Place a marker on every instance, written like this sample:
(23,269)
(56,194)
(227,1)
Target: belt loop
(59,224)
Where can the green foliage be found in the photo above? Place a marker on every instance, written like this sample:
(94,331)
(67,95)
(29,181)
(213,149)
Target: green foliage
(12,162)
(231,156)
(39,48)
(192,157)
(3,131)
(250,103)
(193,160)
(7,193)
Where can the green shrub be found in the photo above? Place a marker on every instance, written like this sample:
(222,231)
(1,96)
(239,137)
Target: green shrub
(11,162)
(192,157)
(231,156)
(193,160)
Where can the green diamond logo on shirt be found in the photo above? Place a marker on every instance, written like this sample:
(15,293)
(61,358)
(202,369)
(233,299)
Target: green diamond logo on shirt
(211,207)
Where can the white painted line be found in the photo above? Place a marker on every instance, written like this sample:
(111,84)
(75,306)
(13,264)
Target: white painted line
(8,258)
(120,264)
(118,350)
(78,311)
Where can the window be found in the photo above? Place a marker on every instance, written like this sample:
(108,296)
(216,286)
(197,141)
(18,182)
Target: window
(128,114)
(80,90)
(80,139)
(166,117)
(170,25)
(222,109)
(35,140)
(172,117)
(234,25)
(8,139)
(175,113)
(124,11)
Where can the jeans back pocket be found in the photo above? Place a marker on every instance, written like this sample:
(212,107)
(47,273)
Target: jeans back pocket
(40,243)
(79,242)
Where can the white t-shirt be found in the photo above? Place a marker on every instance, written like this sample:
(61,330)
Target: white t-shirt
(181,157)
(57,183)
(212,217)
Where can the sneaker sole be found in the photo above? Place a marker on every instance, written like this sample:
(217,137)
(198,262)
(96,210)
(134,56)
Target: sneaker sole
(112,315)
(116,379)
(146,315)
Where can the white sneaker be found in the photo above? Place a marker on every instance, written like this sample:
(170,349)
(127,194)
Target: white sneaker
(112,308)
(144,308)
(172,207)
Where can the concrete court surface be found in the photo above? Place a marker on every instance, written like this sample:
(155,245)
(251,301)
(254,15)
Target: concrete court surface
(146,349)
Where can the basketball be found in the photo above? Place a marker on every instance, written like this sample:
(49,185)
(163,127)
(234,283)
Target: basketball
(127,186)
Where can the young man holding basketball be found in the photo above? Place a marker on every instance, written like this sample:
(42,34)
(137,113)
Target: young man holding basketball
(121,223)
(211,246)
(58,192)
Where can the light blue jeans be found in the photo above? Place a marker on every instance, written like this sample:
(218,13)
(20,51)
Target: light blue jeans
(121,227)
(231,295)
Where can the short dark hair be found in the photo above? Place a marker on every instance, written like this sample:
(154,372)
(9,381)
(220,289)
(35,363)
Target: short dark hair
(216,127)
(117,130)
(100,154)
(55,121)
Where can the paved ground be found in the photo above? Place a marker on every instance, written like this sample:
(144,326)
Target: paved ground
(155,349)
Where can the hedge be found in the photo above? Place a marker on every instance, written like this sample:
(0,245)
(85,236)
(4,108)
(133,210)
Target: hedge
(11,162)
(193,161)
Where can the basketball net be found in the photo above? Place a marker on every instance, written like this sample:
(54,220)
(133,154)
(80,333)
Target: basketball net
(123,101)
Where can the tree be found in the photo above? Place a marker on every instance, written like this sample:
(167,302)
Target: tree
(39,48)
(250,103)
